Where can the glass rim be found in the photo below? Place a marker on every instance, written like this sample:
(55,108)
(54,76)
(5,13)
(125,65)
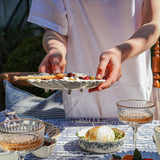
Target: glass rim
(14,120)
(152,104)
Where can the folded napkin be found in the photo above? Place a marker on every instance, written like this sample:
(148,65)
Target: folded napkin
(7,115)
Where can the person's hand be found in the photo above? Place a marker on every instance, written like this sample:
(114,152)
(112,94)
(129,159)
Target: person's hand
(52,64)
(109,69)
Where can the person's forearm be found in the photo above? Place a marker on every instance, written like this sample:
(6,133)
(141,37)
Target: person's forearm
(55,46)
(54,43)
(142,40)
(147,35)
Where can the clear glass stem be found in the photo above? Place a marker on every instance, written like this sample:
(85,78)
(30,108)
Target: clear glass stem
(135,128)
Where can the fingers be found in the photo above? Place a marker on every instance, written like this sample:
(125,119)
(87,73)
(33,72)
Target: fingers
(55,68)
(53,64)
(93,89)
(58,63)
(102,67)
(112,78)
(108,69)
(44,67)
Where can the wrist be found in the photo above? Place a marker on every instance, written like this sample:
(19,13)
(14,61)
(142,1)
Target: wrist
(124,49)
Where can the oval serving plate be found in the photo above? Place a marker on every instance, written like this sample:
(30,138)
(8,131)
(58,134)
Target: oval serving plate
(65,84)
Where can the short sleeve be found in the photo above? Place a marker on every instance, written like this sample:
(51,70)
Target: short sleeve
(49,14)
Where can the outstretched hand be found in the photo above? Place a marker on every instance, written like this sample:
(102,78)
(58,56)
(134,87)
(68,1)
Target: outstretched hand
(109,69)
(52,64)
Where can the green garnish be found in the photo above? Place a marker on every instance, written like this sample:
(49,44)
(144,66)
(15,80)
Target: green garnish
(79,136)
(116,157)
(137,154)
(118,133)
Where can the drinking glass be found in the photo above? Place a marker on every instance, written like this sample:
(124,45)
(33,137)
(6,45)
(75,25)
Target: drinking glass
(135,112)
(21,136)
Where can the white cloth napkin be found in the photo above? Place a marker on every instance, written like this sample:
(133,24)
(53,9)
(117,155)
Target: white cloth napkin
(7,115)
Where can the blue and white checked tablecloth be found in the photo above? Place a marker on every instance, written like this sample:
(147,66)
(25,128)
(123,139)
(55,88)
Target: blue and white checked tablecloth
(67,147)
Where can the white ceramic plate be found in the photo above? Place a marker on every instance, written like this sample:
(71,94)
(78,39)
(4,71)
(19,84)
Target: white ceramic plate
(65,84)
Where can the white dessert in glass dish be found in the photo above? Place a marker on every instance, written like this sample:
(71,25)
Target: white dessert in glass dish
(101,139)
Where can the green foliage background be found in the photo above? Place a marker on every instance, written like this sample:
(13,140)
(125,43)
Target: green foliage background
(26,57)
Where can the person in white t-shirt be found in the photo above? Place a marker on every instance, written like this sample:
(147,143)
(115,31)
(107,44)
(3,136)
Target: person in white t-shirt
(110,39)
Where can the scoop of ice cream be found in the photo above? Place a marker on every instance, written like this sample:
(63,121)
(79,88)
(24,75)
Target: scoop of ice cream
(100,134)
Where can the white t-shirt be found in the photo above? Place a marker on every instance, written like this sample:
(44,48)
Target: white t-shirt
(93,26)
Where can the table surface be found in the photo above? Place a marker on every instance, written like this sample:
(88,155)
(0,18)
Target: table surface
(67,147)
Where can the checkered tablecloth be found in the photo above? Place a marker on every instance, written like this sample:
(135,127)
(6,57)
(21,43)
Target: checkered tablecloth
(67,147)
